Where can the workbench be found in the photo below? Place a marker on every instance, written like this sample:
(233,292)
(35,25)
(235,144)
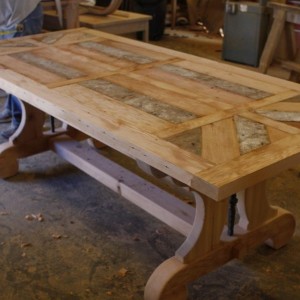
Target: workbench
(211,130)
(120,22)
(282,33)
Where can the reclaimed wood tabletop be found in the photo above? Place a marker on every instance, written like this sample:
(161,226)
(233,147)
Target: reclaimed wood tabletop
(212,126)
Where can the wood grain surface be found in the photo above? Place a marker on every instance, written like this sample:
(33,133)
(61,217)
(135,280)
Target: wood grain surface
(216,128)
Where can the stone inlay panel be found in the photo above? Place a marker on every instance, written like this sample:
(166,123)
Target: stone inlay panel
(145,103)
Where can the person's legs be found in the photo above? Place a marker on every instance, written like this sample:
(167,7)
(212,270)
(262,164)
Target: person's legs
(5,114)
(32,25)
(16,116)
(17,111)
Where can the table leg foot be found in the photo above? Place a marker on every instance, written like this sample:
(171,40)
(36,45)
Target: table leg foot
(163,285)
(29,139)
(8,162)
(170,279)
(200,253)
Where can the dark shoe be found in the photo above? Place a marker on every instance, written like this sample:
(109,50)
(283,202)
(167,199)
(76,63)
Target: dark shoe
(5,116)
(9,132)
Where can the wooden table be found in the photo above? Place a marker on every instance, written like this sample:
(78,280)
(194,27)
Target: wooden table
(214,131)
(119,22)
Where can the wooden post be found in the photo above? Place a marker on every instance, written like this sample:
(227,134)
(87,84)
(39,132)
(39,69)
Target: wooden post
(71,13)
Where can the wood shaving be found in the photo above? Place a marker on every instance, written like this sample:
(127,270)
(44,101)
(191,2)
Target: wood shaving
(31,217)
(57,236)
(136,238)
(122,272)
(25,245)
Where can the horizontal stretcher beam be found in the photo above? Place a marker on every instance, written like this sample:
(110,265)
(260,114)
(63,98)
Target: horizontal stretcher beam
(157,202)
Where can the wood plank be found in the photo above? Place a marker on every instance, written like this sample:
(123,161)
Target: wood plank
(186,93)
(68,72)
(19,44)
(233,77)
(78,80)
(139,100)
(249,169)
(83,64)
(97,104)
(117,51)
(220,145)
(163,95)
(214,81)
(283,106)
(165,85)
(153,54)
(70,36)
(153,200)
(291,65)
(97,55)
(29,70)
(196,123)
(275,134)
(116,18)
(269,122)
(288,95)
(272,40)
(203,91)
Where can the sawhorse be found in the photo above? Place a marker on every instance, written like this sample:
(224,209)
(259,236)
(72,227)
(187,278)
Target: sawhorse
(283,22)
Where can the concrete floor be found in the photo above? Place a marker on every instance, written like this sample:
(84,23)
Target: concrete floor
(92,244)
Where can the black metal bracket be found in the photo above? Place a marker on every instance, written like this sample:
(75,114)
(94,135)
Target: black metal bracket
(231,214)
(52,121)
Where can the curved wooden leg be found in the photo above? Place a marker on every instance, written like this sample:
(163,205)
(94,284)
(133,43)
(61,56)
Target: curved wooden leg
(169,280)
(31,126)
(8,161)
(162,283)
(253,207)
(207,246)
(209,223)
(195,257)
(27,140)
(254,210)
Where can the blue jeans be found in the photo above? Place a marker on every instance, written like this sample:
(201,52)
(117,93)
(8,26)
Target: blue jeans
(32,24)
